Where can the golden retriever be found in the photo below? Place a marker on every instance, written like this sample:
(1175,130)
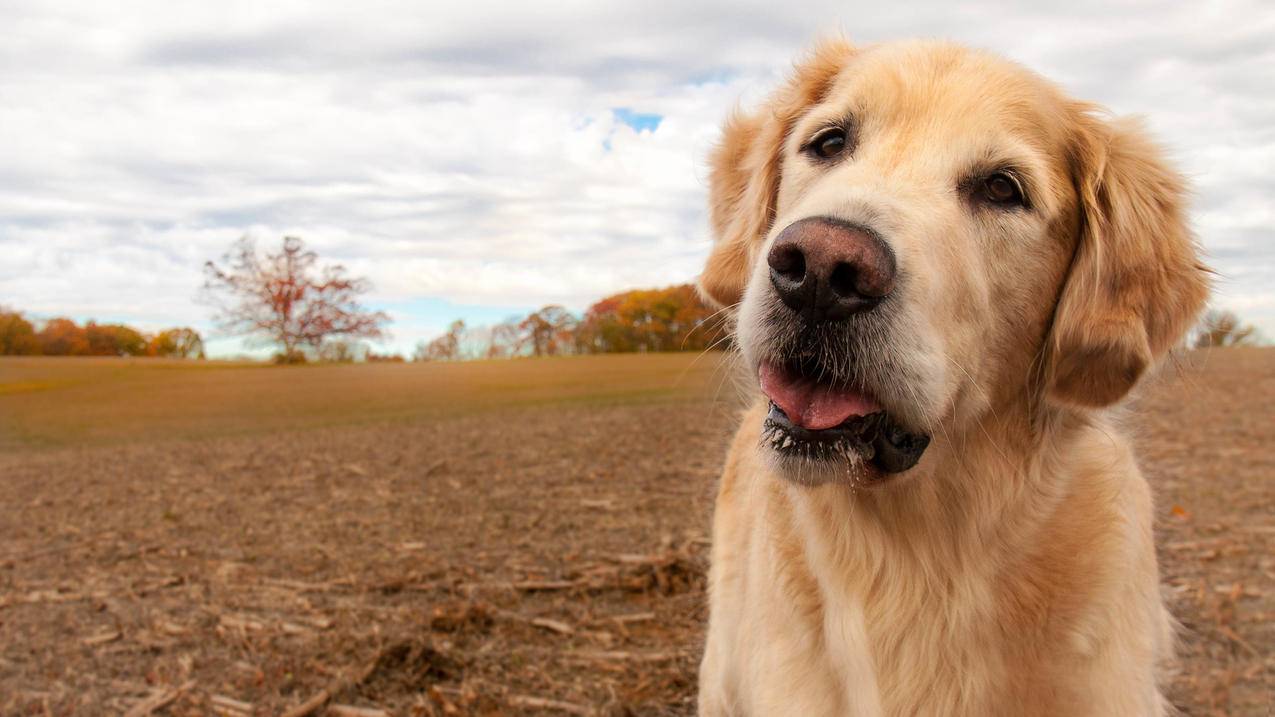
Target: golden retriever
(946,276)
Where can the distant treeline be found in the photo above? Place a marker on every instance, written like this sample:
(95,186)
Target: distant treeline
(669,319)
(63,337)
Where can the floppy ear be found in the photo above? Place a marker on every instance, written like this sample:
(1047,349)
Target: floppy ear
(744,177)
(1136,282)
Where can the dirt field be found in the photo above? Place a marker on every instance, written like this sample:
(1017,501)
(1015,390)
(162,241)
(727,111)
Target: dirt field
(522,537)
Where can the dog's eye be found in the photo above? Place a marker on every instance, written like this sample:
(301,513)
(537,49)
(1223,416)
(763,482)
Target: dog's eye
(828,143)
(1003,188)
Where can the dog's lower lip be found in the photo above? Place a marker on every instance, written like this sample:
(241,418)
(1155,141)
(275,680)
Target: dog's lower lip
(876,437)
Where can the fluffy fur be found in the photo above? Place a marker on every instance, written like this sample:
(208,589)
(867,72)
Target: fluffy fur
(1012,571)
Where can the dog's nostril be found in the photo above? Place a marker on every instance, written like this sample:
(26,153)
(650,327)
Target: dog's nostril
(789,263)
(843,281)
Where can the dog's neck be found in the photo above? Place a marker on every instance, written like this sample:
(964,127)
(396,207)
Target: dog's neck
(987,488)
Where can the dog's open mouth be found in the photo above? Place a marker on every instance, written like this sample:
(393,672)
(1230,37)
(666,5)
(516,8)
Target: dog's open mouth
(820,420)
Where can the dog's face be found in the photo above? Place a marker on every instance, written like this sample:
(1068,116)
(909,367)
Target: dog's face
(917,234)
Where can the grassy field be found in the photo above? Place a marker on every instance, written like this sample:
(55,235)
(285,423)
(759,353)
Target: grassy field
(520,537)
(61,402)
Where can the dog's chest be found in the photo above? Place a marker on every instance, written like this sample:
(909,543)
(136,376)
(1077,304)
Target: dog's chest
(857,641)
(849,657)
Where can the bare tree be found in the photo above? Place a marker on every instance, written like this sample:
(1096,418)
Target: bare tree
(342,351)
(504,339)
(1219,327)
(549,331)
(181,342)
(444,348)
(287,298)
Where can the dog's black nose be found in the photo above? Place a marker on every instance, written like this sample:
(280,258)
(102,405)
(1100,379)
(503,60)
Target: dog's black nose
(827,269)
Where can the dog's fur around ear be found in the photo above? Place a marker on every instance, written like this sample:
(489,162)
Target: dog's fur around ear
(744,178)
(1136,282)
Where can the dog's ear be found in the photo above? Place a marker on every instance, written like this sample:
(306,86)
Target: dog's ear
(1136,281)
(744,176)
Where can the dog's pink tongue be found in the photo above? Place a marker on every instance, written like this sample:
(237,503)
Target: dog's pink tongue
(812,405)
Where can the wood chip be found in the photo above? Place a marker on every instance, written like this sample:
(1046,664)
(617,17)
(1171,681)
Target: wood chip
(620,655)
(300,586)
(541,703)
(339,685)
(352,711)
(561,628)
(241,622)
(635,617)
(102,638)
(231,707)
(537,585)
(172,628)
(159,698)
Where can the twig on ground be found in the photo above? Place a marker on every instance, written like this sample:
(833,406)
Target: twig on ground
(537,585)
(541,703)
(352,711)
(159,698)
(341,684)
(231,707)
(561,628)
(625,656)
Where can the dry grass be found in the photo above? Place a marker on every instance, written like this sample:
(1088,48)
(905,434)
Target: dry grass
(60,402)
(494,538)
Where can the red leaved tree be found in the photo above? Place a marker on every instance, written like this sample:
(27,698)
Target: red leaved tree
(287,299)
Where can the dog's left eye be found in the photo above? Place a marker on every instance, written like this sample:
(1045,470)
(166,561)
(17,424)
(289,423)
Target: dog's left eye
(1003,188)
(828,143)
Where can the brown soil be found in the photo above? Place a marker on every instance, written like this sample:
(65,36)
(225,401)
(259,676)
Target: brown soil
(544,559)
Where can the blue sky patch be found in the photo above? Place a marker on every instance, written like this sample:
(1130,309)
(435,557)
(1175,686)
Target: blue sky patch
(639,121)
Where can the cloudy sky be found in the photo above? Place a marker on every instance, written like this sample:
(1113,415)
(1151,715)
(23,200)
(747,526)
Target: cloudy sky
(478,159)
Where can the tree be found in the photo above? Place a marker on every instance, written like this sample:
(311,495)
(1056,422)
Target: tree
(669,319)
(443,348)
(287,299)
(183,342)
(17,335)
(61,337)
(114,340)
(505,339)
(342,351)
(549,331)
(1219,327)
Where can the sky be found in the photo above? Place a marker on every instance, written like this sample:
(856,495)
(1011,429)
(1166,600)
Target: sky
(480,159)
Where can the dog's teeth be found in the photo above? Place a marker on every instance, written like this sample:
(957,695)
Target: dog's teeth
(788,442)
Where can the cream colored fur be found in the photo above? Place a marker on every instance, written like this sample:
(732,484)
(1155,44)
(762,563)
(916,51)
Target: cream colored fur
(1012,571)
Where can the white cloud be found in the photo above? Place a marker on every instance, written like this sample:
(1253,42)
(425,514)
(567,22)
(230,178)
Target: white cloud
(470,151)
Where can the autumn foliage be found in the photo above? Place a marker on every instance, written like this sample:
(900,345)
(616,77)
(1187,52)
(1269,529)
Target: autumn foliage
(64,337)
(285,298)
(668,319)
(671,319)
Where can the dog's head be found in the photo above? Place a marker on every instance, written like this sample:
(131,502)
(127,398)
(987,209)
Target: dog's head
(917,234)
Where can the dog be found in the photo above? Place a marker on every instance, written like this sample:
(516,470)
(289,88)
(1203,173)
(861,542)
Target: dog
(946,277)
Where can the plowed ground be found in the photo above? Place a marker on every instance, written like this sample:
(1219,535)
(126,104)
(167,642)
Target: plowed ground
(518,537)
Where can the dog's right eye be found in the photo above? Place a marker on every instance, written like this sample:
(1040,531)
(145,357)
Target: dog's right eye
(828,143)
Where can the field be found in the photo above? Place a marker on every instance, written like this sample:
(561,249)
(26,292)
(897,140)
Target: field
(518,537)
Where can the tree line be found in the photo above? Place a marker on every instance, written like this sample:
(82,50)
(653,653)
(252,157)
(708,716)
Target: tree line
(307,311)
(63,337)
(285,299)
(668,319)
